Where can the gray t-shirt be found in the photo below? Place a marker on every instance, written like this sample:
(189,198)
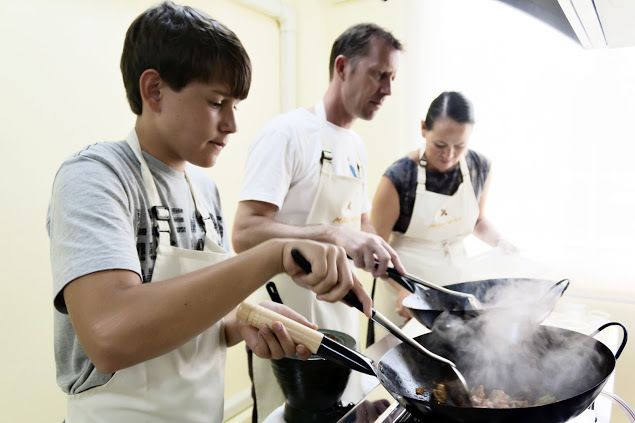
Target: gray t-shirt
(99,219)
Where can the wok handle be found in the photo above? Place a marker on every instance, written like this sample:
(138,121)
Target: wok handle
(260,317)
(624,335)
(630,413)
(566,283)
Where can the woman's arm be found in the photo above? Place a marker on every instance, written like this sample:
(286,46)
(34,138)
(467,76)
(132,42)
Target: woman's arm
(384,214)
(484,230)
(385,209)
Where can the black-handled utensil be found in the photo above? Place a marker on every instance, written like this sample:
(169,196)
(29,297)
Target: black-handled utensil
(460,394)
(272,290)
(350,298)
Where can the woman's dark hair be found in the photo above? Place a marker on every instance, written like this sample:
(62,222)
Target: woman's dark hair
(450,104)
(355,42)
(183,45)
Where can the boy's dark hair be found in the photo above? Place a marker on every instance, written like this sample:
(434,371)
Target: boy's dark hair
(355,42)
(450,104)
(183,45)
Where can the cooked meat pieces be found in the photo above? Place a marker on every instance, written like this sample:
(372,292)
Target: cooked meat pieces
(440,393)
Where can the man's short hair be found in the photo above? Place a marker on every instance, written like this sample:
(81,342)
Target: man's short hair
(354,43)
(183,45)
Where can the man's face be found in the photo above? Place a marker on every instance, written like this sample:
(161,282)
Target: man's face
(196,121)
(368,79)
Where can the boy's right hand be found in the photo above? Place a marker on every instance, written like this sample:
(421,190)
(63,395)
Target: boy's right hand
(331,275)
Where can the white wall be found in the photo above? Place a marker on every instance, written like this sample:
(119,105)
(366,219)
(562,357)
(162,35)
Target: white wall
(62,90)
(555,120)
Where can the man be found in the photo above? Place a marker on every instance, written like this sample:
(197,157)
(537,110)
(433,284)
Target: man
(305,178)
(144,290)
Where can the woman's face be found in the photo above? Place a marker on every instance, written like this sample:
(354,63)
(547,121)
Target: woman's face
(446,142)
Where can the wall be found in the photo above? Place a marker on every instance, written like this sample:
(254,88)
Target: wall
(62,90)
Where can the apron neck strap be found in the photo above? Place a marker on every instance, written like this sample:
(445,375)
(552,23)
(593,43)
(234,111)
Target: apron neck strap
(320,111)
(326,158)
(423,163)
(148,180)
(153,193)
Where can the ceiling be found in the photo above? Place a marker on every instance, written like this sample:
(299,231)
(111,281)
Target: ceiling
(593,23)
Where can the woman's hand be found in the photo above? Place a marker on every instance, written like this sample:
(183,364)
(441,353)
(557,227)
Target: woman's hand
(275,343)
(331,276)
(506,247)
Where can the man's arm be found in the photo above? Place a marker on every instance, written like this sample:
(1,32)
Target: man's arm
(121,322)
(254,223)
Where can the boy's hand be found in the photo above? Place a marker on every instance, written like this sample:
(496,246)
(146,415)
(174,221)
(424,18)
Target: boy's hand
(331,276)
(275,343)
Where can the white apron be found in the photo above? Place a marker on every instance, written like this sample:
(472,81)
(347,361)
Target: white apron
(338,200)
(185,385)
(432,247)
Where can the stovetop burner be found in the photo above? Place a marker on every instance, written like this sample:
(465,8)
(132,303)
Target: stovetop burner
(328,415)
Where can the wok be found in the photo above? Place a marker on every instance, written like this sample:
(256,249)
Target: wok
(427,304)
(401,373)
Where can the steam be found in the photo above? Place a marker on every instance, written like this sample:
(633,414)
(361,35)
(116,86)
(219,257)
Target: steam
(505,348)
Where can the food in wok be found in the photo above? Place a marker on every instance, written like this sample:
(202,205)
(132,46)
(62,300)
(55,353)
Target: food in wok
(497,398)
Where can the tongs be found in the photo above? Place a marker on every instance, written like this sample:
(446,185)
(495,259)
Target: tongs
(451,300)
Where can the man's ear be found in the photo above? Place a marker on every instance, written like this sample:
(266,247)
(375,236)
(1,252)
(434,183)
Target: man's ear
(150,83)
(340,65)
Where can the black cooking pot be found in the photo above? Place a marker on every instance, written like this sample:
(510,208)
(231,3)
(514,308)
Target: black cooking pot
(427,304)
(411,380)
(313,386)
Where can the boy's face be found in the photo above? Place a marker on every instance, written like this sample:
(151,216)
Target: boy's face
(195,122)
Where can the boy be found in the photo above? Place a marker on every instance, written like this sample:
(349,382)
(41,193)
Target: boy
(144,290)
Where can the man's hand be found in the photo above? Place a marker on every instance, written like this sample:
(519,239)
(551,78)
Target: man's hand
(331,276)
(399,308)
(276,342)
(368,251)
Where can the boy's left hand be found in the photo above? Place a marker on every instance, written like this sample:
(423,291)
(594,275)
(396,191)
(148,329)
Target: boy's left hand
(275,343)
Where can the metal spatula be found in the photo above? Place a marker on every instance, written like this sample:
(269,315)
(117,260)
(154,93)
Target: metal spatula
(458,386)
(451,300)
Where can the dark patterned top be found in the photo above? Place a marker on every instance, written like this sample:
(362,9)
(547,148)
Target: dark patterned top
(403,175)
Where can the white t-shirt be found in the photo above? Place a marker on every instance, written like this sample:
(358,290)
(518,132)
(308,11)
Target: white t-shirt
(283,165)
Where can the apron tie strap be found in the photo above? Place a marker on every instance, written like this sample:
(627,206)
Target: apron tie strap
(161,227)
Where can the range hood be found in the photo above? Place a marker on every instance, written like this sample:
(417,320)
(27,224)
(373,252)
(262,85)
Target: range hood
(593,23)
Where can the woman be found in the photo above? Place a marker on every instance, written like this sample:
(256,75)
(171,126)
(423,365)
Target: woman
(429,201)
